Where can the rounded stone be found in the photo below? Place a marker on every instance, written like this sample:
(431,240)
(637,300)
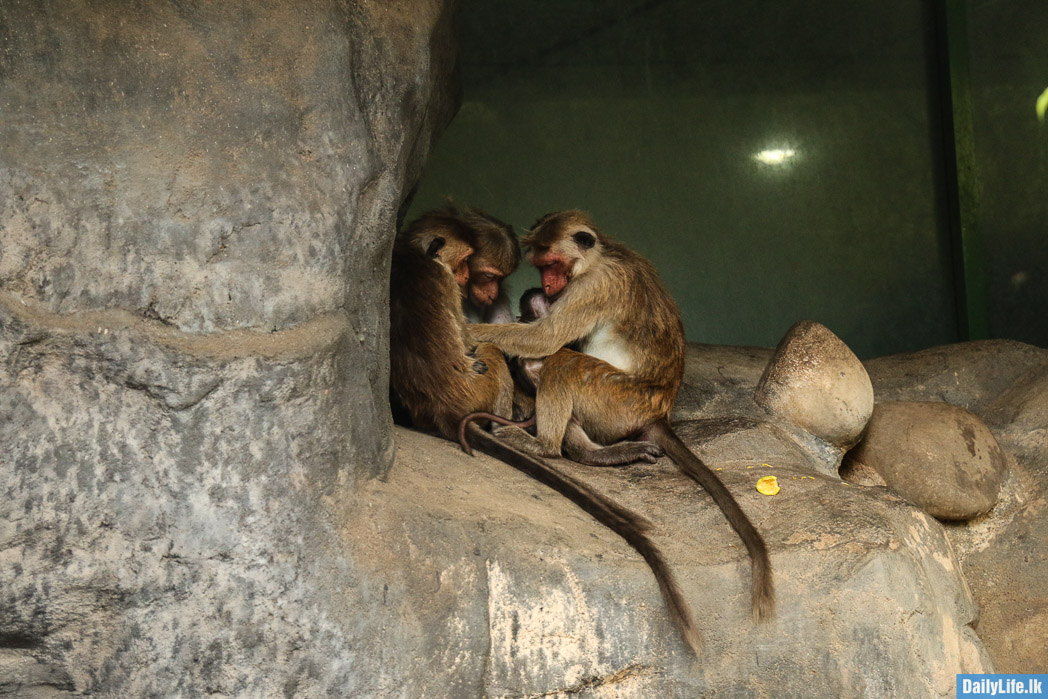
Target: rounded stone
(816,382)
(938,456)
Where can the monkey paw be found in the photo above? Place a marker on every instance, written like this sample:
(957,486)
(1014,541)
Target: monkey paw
(480,367)
(622,454)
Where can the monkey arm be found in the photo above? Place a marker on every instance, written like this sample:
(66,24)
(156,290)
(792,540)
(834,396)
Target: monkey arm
(574,315)
(530,340)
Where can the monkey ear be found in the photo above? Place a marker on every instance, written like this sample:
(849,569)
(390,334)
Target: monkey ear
(434,247)
(584,239)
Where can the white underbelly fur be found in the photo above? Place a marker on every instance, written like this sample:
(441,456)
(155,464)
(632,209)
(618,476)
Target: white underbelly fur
(604,343)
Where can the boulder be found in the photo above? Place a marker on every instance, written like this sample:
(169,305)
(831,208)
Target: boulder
(816,383)
(1004,553)
(938,456)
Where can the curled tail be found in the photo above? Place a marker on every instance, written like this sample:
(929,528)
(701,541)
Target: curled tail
(763,589)
(481,415)
(624,522)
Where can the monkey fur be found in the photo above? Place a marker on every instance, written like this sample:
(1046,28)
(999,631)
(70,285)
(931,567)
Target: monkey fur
(435,376)
(437,373)
(623,382)
(496,256)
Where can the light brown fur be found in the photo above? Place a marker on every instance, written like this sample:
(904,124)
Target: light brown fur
(496,256)
(434,369)
(435,377)
(610,300)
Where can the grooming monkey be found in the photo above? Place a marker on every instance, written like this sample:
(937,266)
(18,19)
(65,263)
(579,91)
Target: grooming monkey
(624,381)
(436,371)
(438,380)
(495,256)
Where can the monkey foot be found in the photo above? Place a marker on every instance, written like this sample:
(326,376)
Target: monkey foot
(621,454)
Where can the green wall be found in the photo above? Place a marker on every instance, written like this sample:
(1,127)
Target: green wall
(649,115)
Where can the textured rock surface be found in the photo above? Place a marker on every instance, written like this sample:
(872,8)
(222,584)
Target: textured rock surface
(545,602)
(814,381)
(197,203)
(1005,553)
(938,456)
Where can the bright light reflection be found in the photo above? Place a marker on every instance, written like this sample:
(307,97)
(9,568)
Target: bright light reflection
(775,156)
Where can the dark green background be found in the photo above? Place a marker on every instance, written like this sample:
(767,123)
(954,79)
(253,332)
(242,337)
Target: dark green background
(648,115)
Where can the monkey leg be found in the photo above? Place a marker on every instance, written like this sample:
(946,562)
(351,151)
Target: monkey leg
(521,440)
(580,397)
(579,447)
(500,388)
(471,391)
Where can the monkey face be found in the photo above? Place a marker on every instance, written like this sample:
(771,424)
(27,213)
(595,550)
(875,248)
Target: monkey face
(485,281)
(562,246)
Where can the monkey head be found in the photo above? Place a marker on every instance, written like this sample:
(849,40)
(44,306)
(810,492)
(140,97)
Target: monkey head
(444,238)
(454,253)
(562,245)
(533,305)
(496,257)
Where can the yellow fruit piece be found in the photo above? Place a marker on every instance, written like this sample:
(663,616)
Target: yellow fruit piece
(769,485)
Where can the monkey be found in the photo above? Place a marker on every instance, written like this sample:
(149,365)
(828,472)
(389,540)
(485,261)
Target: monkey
(495,257)
(623,382)
(435,373)
(435,369)
(533,305)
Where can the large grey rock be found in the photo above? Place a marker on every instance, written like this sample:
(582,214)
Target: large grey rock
(197,203)
(1004,383)
(500,587)
(816,382)
(938,456)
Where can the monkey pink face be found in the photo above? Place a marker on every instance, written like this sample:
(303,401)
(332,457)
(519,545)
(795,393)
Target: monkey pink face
(555,273)
(567,255)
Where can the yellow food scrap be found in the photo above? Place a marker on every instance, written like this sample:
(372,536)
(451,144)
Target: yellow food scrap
(1042,105)
(769,485)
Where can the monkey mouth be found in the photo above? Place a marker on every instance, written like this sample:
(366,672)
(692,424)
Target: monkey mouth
(554,277)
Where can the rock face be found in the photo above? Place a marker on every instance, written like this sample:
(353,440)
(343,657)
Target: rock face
(197,203)
(500,587)
(938,456)
(1005,553)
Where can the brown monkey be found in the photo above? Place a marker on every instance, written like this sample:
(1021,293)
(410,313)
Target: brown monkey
(495,257)
(436,372)
(437,379)
(623,383)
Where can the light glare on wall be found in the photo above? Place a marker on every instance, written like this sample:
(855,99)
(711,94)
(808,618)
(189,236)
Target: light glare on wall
(775,156)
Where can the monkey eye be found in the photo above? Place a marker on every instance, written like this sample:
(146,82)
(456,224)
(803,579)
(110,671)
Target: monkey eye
(584,239)
(434,247)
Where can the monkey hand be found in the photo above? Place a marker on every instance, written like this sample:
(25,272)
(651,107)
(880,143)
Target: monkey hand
(480,366)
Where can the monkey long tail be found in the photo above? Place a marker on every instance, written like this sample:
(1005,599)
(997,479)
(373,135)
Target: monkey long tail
(624,522)
(464,423)
(763,590)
